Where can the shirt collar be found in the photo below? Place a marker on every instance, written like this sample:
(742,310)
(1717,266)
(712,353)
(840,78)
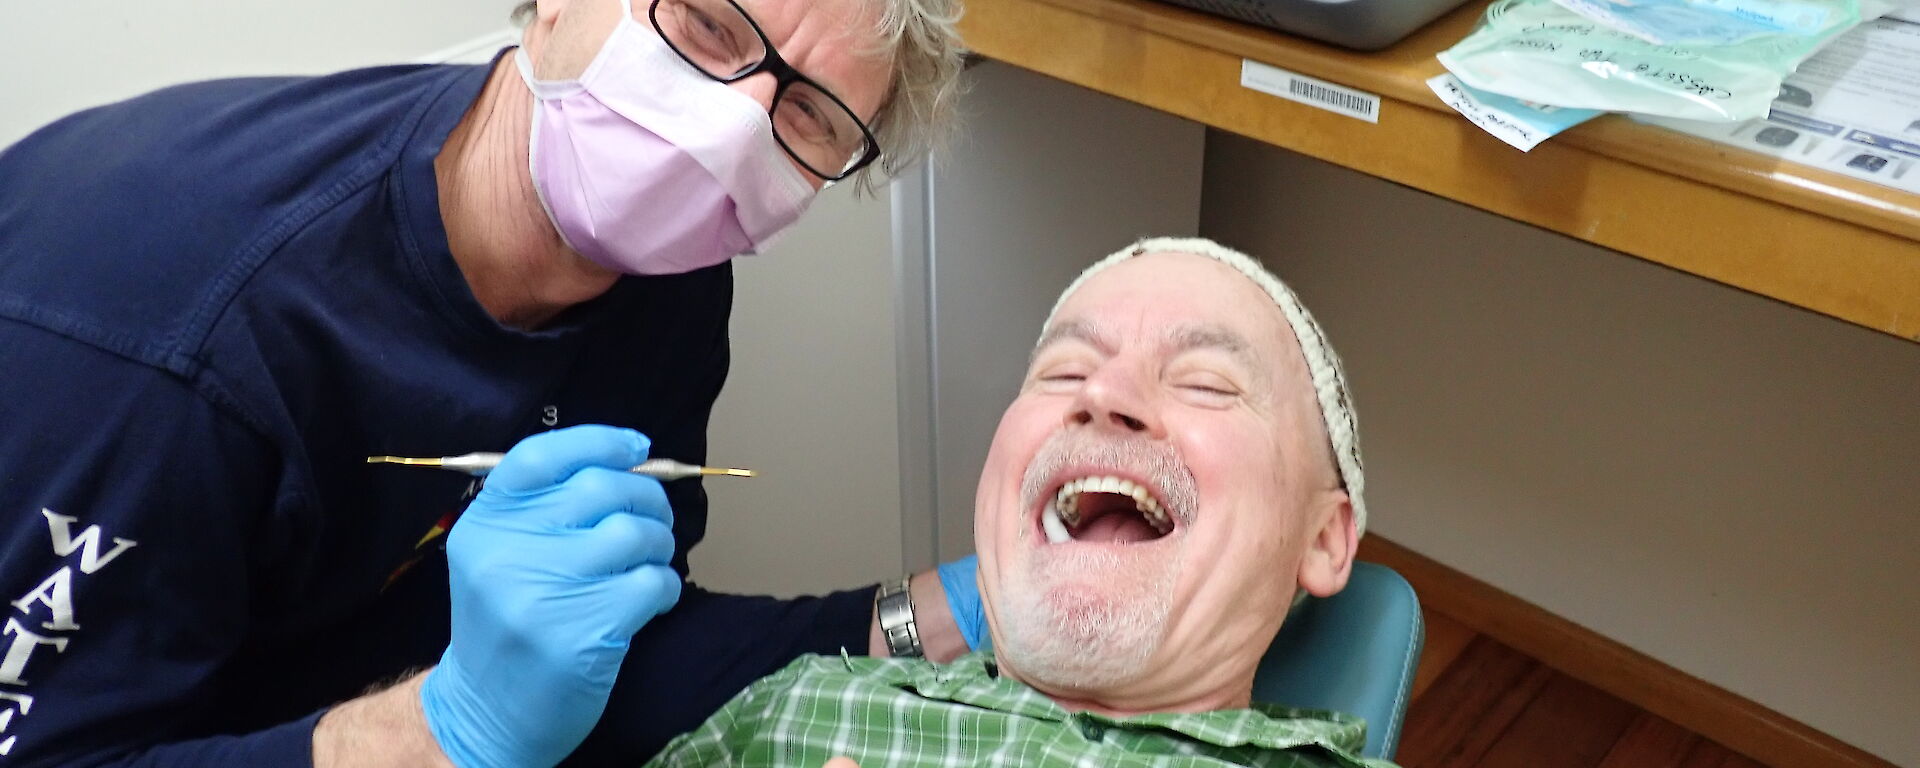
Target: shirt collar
(1264,725)
(974,680)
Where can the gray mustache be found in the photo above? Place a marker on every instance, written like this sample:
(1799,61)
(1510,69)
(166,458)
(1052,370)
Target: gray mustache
(1153,460)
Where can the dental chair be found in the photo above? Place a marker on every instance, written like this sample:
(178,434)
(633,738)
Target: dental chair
(1354,652)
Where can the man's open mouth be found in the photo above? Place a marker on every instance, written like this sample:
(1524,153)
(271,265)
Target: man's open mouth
(1103,508)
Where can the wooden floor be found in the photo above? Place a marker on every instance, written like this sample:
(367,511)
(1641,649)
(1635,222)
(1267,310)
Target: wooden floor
(1479,703)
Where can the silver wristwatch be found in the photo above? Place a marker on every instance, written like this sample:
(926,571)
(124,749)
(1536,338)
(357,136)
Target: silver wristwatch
(894,606)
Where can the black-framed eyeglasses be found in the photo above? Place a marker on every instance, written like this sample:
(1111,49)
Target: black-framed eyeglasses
(814,126)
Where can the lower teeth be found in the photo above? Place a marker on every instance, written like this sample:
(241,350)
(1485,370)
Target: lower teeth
(1056,530)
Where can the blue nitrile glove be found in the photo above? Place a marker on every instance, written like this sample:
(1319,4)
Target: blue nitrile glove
(554,566)
(959,580)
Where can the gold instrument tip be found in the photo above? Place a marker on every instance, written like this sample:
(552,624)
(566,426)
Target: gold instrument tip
(403,460)
(730,472)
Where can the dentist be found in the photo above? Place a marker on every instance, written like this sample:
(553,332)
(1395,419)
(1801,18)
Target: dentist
(216,299)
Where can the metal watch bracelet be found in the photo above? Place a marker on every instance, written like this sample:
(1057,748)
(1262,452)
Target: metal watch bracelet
(894,606)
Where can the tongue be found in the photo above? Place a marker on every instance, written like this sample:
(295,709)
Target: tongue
(1122,527)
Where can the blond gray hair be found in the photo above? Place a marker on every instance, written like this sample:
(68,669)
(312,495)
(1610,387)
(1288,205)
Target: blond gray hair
(923,38)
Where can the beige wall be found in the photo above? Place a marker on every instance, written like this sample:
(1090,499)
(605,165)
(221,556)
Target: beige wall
(71,54)
(1726,483)
(810,404)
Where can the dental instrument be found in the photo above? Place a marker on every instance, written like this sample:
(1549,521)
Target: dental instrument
(479,464)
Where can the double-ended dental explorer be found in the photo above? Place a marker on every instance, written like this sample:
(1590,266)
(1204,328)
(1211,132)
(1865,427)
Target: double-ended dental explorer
(479,464)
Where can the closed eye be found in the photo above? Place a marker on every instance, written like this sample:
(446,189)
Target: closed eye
(1059,383)
(1207,390)
(1060,378)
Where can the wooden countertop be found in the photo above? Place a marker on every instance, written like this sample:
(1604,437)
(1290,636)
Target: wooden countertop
(1808,237)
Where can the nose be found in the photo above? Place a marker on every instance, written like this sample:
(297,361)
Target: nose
(1116,400)
(760,87)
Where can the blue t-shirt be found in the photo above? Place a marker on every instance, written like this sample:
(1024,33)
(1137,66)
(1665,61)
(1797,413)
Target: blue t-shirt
(215,301)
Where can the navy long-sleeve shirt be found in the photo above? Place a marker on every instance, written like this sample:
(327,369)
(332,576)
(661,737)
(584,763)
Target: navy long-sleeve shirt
(215,301)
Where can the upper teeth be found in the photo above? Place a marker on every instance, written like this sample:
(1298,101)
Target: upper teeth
(1066,510)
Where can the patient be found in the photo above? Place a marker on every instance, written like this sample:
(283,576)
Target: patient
(1179,461)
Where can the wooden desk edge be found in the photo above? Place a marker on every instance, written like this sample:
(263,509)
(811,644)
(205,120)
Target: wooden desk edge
(1400,72)
(1872,278)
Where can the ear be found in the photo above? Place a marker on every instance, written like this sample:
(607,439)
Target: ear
(539,27)
(545,11)
(565,36)
(1328,560)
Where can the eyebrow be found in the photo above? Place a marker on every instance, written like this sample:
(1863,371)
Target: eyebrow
(1186,338)
(1072,330)
(834,90)
(1182,338)
(1197,336)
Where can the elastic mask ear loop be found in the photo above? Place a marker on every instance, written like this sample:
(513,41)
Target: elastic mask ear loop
(543,90)
(525,64)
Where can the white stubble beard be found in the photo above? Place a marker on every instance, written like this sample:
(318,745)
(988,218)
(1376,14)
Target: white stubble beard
(1085,620)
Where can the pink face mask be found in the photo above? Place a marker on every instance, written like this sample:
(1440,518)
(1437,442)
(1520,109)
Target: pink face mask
(648,167)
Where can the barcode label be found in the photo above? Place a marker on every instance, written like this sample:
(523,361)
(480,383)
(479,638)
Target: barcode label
(1310,91)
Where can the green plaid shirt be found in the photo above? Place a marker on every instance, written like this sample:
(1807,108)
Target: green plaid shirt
(910,713)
